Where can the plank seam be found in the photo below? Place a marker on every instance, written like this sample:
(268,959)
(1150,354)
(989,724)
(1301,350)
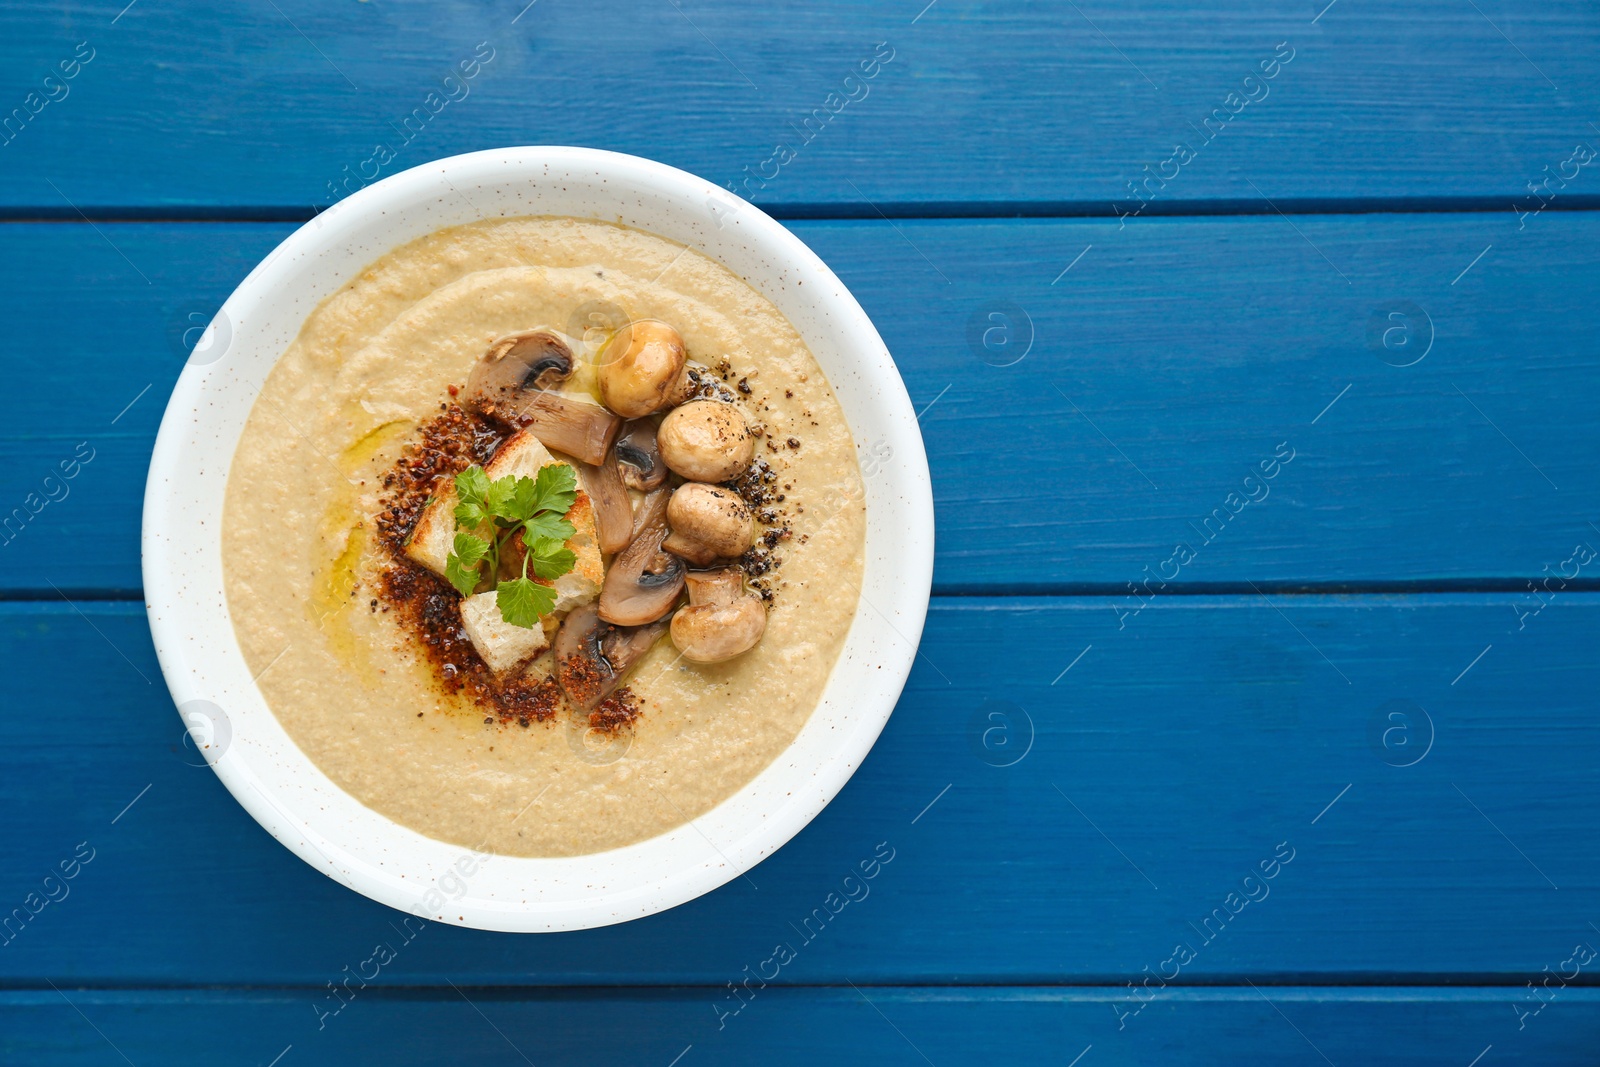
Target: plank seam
(1441,985)
(1083,591)
(904,210)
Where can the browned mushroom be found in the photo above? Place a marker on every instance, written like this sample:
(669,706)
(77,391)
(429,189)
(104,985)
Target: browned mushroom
(708,523)
(643,582)
(513,382)
(722,620)
(613,511)
(593,657)
(706,441)
(542,359)
(638,456)
(531,361)
(641,368)
(585,431)
(651,511)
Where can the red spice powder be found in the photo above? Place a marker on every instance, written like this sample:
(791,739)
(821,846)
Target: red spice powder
(616,712)
(446,445)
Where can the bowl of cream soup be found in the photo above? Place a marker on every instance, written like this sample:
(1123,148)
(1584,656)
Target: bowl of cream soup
(506,549)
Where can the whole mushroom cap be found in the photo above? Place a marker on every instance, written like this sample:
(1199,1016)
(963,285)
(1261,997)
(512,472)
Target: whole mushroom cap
(706,441)
(708,523)
(640,368)
(722,620)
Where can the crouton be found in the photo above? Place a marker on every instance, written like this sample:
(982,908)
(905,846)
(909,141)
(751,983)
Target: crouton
(582,583)
(434,536)
(503,646)
(522,455)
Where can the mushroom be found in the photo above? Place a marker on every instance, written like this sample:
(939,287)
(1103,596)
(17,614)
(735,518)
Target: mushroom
(513,384)
(708,523)
(706,441)
(592,656)
(613,511)
(531,361)
(582,430)
(722,620)
(638,456)
(643,582)
(641,368)
(538,359)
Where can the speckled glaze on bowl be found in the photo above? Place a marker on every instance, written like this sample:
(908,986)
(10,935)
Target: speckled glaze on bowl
(282,789)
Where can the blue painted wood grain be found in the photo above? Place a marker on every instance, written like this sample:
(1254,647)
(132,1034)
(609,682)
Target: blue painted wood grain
(869,1024)
(275,107)
(1171,361)
(1065,802)
(1072,784)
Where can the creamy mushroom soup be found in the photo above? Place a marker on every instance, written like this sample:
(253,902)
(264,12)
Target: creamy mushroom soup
(544,535)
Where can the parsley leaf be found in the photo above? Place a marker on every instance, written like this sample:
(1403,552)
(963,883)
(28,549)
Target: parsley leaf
(472,484)
(521,601)
(470,514)
(504,501)
(556,489)
(546,525)
(525,500)
(550,558)
(535,509)
(461,566)
(472,490)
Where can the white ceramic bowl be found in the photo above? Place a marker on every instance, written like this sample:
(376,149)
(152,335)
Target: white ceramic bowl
(228,718)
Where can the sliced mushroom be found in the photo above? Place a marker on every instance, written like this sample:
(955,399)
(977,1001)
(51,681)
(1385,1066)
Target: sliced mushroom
(708,523)
(641,368)
(613,510)
(513,382)
(722,620)
(536,359)
(531,361)
(585,431)
(638,456)
(652,510)
(706,441)
(592,656)
(643,582)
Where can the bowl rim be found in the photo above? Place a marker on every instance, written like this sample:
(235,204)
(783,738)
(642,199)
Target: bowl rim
(284,789)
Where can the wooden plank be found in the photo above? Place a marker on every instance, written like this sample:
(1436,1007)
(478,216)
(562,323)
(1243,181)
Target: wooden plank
(1017,107)
(1294,1025)
(1065,802)
(1170,361)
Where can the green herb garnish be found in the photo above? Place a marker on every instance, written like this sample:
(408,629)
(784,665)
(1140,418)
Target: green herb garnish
(489,514)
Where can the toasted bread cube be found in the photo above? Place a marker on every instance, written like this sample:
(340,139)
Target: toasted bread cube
(585,544)
(582,583)
(522,455)
(434,537)
(573,590)
(503,646)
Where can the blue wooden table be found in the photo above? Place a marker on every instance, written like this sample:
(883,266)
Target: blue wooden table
(1256,357)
